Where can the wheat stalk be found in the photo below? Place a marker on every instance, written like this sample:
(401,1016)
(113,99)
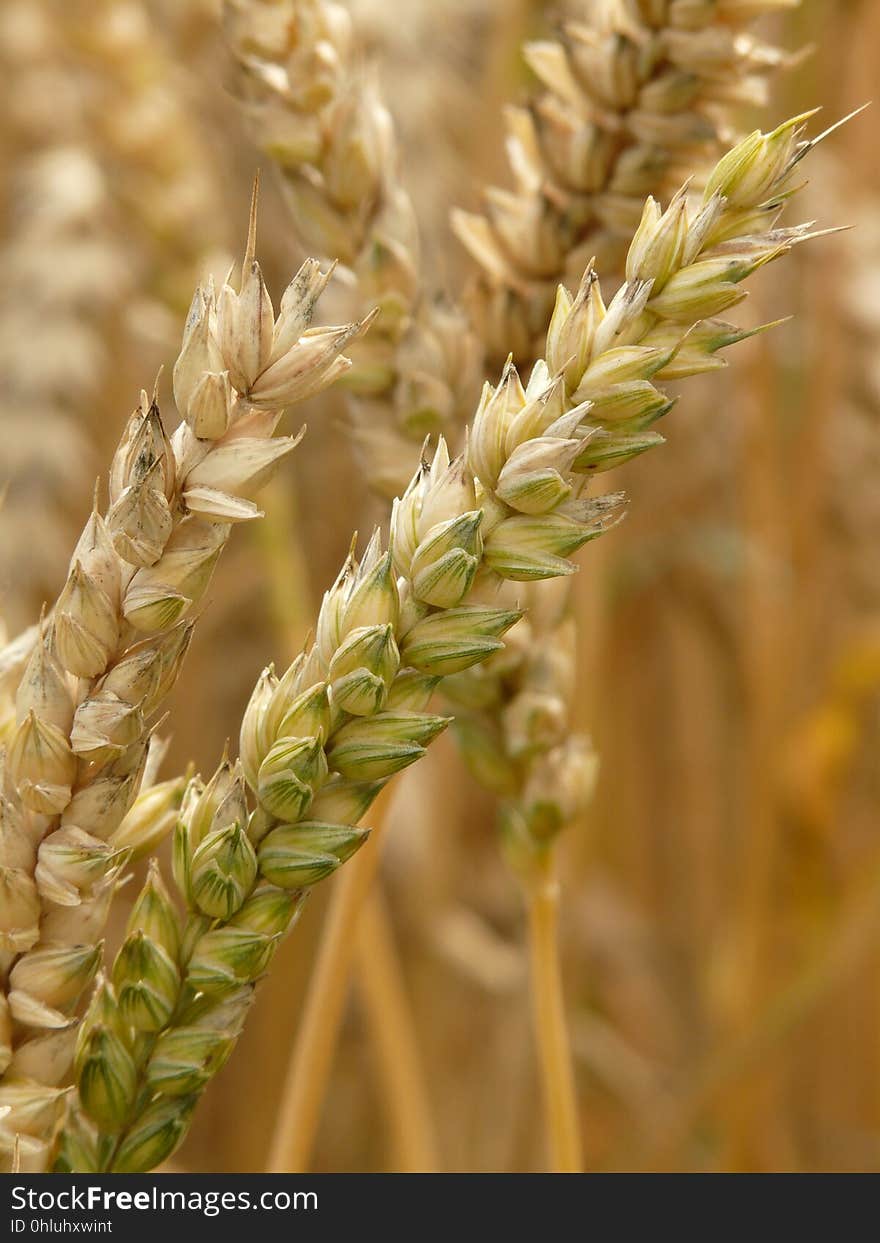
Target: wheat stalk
(112,648)
(318,744)
(397,1043)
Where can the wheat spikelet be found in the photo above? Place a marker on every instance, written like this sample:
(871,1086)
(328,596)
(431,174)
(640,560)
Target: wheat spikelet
(76,750)
(319,743)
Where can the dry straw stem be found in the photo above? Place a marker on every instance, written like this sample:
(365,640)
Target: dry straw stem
(317,112)
(311,1061)
(551,1026)
(318,744)
(76,747)
(606,367)
(395,1041)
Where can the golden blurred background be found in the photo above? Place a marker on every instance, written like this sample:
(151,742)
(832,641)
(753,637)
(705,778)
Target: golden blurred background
(721,899)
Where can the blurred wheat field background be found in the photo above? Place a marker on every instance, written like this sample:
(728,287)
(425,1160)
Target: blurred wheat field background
(720,893)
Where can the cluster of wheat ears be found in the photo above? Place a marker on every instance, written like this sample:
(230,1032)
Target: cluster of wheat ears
(456,609)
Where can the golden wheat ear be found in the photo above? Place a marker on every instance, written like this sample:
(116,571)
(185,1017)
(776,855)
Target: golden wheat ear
(96,673)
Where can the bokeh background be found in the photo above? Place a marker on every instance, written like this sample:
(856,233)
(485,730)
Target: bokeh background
(722,896)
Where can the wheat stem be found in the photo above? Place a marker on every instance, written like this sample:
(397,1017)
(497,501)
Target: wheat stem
(395,1041)
(550,1024)
(308,1071)
(767,650)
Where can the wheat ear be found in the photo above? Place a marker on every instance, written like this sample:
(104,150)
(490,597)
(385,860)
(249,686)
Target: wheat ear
(633,94)
(630,95)
(684,264)
(317,112)
(633,90)
(686,64)
(111,650)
